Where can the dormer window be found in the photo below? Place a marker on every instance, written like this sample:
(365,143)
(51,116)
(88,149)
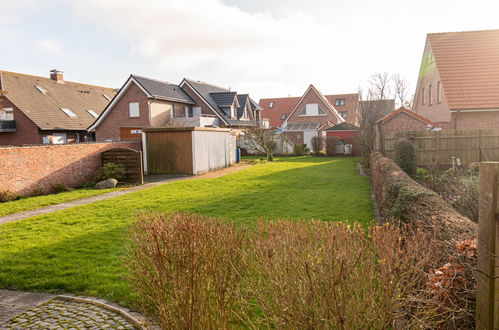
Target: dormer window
(106,97)
(69,113)
(339,102)
(344,114)
(41,89)
(92,113)
(271,104)
(283,116)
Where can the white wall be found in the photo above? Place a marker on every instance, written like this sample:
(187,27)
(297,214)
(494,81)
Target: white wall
(212,150)
(197,121)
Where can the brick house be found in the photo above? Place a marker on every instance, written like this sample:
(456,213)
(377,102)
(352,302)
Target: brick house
(404,119)
(144,102)
(458,83)
(277,109)
(36,110)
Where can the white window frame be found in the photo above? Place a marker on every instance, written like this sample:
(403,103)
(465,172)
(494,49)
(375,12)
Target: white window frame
(439,91)
(69,113)
(106,97)
(339,102)
(307,111)
(186,111)
(422,95)
(196,111)
(429,94)
(135,131)
(271,104)
(136,111)
(7,114)
(41,89)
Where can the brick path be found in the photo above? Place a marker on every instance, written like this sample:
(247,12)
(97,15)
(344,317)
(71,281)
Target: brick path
(155,182)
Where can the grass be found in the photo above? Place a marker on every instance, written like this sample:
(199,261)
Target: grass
(80,249)
(30,203)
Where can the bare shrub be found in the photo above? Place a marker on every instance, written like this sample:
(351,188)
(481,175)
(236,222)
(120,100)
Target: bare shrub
(186,269)
(330,144)
(317,144)
(7,196)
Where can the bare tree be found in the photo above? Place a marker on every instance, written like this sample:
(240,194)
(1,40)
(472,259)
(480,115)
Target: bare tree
(400,89)
(379,85)
(261,140)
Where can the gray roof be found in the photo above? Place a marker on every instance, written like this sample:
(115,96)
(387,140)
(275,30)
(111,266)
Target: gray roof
(223,99)
(343,127)
(163,90)
(383,107)
(204,89)
(241,98)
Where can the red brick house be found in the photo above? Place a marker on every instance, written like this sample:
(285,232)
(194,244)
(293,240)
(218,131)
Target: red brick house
(144,102)
(458,83)
(36,110)
(277,109)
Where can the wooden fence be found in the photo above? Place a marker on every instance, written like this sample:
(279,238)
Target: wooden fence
(131,159)
(438,147)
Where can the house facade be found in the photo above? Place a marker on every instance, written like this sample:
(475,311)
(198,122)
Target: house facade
(36,110)
(458,84)
(149,103)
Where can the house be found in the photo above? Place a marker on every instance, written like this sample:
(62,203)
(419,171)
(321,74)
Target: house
(277,109)
(313,113)
(458,83)
(35,110)
(404,119)
(149,103)
(345,134)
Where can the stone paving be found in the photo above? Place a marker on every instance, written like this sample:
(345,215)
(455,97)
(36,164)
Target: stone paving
(63,314)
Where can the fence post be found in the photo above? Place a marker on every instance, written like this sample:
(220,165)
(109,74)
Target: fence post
(487,302)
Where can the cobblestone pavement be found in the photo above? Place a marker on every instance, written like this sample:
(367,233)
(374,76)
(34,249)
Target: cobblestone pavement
(63,314)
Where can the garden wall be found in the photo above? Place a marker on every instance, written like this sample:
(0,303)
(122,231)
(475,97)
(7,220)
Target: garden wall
(27,169)
(401,198)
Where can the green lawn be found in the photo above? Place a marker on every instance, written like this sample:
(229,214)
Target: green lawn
(29,203)
(80,249)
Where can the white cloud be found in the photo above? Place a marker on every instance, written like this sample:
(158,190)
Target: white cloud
(50,45)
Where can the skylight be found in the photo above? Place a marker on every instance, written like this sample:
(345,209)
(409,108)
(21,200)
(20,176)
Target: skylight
(106,97)
(41,89)
(69,112)
(92,113)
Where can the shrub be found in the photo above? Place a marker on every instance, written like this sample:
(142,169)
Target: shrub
(186,270)
(330,145)
(38,191)
(299,149)
(58,188)
(7,196)
(317,144)
(87,185)
(111,171)
(405,156)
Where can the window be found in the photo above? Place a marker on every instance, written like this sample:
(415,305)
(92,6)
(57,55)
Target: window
(271,104)
(439,92)
(58,138)
(41,89)
(136,131)
(69,113)
(92,113)
(344,114)
(133,109)
(422,96)
(196,111)
(339,102)
(6,114)
(283,116)
(106,97)
(312,109)
(186,111)
(429,94)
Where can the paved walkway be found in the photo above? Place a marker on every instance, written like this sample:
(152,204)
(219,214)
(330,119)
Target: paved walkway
(152,180)
(30,310)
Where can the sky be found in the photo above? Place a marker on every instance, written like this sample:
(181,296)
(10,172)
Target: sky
(268,48)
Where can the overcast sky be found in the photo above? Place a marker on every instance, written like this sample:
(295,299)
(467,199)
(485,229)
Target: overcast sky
(268,48)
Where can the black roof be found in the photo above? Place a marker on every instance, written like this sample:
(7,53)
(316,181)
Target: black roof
(241,98)
(223,99)
(343,127)
(163,89)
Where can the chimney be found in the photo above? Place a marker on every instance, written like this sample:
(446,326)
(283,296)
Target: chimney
(56,75)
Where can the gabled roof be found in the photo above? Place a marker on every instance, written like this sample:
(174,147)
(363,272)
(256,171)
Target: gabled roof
(407,112)
(242,99)
(163,90)
(284,106)
(44,109)
(312,88)
(343,127)
(468,63)
(223,99)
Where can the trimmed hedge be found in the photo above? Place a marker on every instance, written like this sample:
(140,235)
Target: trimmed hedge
(400,198)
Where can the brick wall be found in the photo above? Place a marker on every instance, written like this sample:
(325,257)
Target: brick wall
(24,169)
(109,128)
(402,122)
(476,120)
(26,130)
(312,97)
